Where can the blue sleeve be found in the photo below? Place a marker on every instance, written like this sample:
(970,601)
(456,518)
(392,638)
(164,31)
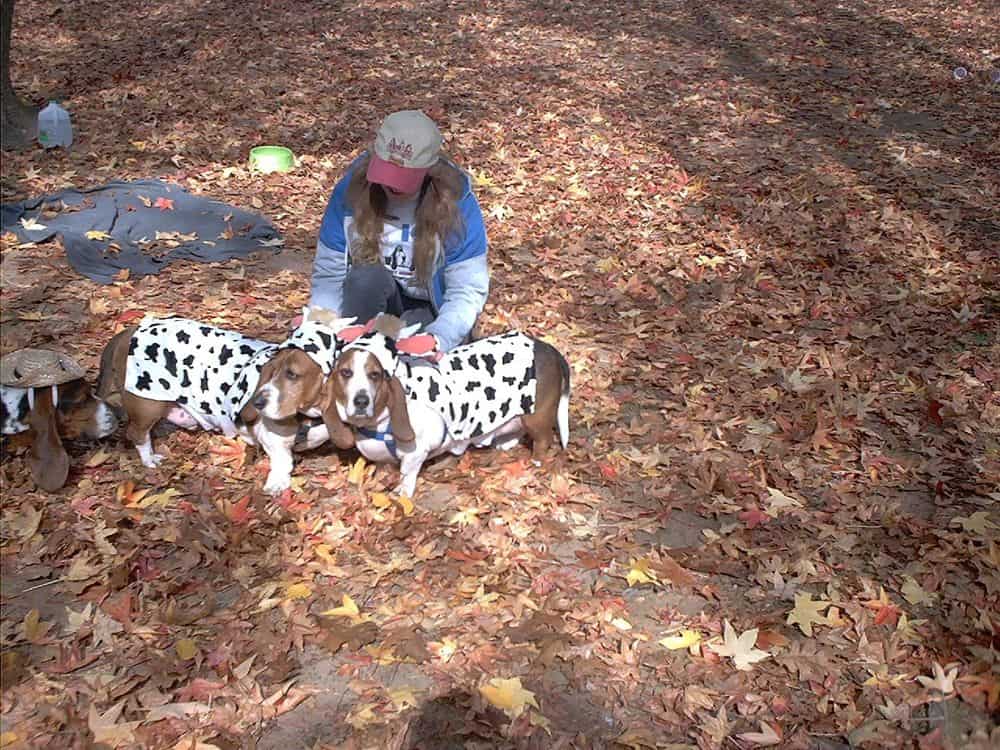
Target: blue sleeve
(472,242)
(466,279)
(330,266)
(331,231)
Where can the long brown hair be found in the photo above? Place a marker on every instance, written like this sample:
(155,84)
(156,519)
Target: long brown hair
(437,214)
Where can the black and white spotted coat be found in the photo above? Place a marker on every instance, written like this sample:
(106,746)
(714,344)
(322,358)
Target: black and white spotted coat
(476,388)
(210,372)
(14,410)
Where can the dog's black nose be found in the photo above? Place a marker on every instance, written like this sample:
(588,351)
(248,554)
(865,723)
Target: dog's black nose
(361,400)
(259,402)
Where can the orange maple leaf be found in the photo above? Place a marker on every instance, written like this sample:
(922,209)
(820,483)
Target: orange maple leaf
(240,512)
(229,452)
(164,204)
(885,610)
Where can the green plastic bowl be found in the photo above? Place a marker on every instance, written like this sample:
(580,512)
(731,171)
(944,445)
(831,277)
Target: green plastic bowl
(268,159)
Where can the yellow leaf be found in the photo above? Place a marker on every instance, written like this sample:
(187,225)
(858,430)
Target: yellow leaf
(98,458)
(640,572)
(406,504)
(298,591)
(621,624)
(323,552)
(685,639)
(347,609)
(508,695)
(380,500)
(34,628)
(403,697)
(8,738)
(160,498)
(807,612)
(445,649)
(186,649)
(357,473)
(96,234)
(465,517)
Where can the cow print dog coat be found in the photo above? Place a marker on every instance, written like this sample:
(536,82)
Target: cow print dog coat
(210,372)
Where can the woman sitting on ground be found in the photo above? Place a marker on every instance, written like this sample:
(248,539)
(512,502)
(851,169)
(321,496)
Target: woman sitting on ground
(404,234)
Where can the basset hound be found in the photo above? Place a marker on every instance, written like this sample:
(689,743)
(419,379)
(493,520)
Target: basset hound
(489,392)
(68,411)
(199,376)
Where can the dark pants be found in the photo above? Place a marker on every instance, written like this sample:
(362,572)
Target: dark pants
(371,289)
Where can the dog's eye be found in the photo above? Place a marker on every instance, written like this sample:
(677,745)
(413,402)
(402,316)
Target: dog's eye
(291,375)
(346,374)
(375,375)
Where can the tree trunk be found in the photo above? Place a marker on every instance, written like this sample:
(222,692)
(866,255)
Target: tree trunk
(20,120)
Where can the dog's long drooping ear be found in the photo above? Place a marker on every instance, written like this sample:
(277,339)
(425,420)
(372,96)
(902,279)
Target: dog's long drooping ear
(341,435)
(399,417)
(49,461)
(249,413)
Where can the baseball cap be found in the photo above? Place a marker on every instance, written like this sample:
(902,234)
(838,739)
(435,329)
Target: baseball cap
(407,144)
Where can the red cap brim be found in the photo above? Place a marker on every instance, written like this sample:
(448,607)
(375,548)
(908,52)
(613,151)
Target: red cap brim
(400,179)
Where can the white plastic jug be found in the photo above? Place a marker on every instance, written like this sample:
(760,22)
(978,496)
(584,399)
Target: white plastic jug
(54,127)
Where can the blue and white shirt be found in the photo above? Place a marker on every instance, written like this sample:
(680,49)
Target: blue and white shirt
(460,282)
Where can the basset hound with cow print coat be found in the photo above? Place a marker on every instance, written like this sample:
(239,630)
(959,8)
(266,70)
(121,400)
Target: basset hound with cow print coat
(489,392)
(199,376)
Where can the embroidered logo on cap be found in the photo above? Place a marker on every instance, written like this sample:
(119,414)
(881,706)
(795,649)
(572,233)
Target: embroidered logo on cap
(399,151)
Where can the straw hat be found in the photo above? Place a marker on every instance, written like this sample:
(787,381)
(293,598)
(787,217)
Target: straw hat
(37,368)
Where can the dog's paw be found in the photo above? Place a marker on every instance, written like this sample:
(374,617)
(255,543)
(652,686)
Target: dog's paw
(406,488)
(275,485)
(152,461)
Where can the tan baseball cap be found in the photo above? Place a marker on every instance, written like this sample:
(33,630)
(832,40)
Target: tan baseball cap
(407,144)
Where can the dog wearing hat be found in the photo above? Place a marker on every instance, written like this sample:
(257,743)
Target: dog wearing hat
(45,393)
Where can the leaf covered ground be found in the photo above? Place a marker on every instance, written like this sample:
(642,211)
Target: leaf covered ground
(766,236)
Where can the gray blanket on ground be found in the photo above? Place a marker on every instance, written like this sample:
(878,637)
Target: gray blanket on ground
(142,226)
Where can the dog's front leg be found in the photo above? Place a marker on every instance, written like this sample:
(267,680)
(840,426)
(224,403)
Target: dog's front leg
(276,440)
(409,467)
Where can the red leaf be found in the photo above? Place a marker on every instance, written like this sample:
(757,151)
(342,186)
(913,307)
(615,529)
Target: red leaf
(164,204)
(607,470)
(129,315)
(240,512)
(887,614)
(754,517)
(934,412)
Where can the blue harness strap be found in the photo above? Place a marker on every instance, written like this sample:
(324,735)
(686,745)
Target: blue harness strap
(384,437)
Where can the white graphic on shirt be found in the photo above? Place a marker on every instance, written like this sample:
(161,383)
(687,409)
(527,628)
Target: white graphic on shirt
(396,244)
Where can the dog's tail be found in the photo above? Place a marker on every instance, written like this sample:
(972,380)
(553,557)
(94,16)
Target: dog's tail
(562,411)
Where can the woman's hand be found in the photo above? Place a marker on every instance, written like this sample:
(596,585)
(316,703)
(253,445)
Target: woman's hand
(422,345)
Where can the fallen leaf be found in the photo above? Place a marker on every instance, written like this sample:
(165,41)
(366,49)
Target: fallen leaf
(298,591)
(766,737)
(914,593)
(106,728)
(941,681)
(347,609)
(96,234)
(640,572)
(979,522)
(32,225)
(508,695)
(685,639)
(740,648)
(164,204)
(186,649)
(807,612)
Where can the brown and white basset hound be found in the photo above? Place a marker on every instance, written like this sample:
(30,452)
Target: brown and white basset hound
(199,376)
(69,411)
(402,408)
